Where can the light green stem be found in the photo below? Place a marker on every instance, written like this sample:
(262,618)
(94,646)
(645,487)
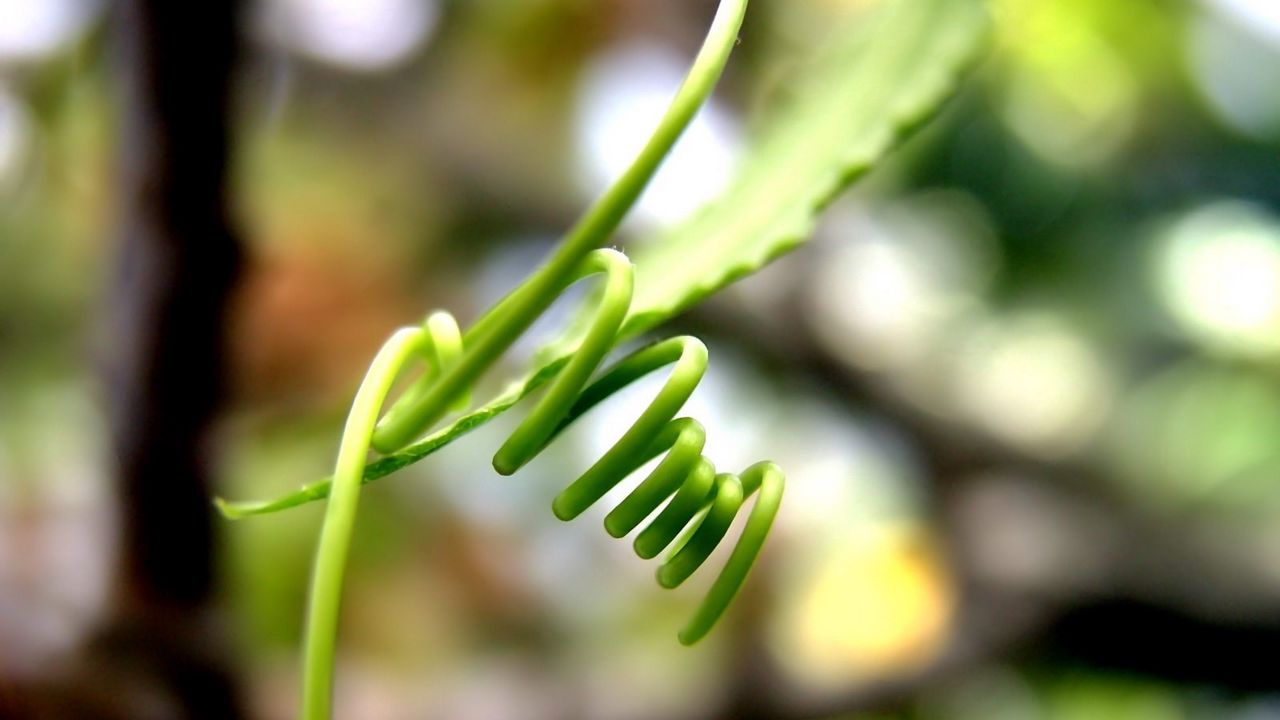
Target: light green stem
(339,520)
(497,330)
(484,343)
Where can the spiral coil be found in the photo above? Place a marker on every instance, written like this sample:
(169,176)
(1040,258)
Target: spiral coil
(698,500)
(700,504)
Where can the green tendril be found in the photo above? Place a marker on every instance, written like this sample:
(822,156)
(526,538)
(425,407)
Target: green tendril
(493,333)
(697,505)
(339,520)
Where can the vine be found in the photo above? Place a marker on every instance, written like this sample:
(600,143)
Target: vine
(875,78)
(700,504)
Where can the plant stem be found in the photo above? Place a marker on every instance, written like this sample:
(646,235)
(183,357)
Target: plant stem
(498,329)
(484,342)
(339,519)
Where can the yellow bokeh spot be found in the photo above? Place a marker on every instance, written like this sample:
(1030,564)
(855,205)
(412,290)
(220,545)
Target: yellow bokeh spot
(876,602)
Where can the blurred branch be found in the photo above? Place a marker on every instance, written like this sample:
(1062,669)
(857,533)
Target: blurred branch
(177,264)
(178,261)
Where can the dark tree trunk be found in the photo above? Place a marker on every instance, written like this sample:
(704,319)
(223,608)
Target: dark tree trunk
(178,261)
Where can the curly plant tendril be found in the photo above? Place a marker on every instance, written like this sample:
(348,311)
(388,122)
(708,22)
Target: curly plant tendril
(871,84)
(695,496)
(700,504)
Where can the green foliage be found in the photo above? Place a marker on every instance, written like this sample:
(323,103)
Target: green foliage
(892,71)
(383,467)
(860,94)
(871,83)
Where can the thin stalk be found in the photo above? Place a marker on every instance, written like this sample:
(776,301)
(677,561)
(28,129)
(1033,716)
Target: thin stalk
(484,343)
(339,520)
(497,330)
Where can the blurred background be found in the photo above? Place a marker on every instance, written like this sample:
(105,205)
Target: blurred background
(1023,381)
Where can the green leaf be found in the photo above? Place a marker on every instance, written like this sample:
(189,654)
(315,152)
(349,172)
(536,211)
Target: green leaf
(862,91)
(514,393)
(874,80)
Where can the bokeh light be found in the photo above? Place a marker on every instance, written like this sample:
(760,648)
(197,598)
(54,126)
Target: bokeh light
(1071,98)
(31,30)
(877,602)
(895,280)
(1261,17)
(621,99)
(1031,381)
(1196,435)
(1218,274)
(1225,53)
(362,35)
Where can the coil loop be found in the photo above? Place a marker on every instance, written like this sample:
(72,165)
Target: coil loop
(702,502)
(699,501)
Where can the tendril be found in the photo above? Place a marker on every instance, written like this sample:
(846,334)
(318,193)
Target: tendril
(684,489)
(700,504)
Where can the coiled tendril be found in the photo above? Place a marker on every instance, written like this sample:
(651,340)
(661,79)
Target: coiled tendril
(698,501)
